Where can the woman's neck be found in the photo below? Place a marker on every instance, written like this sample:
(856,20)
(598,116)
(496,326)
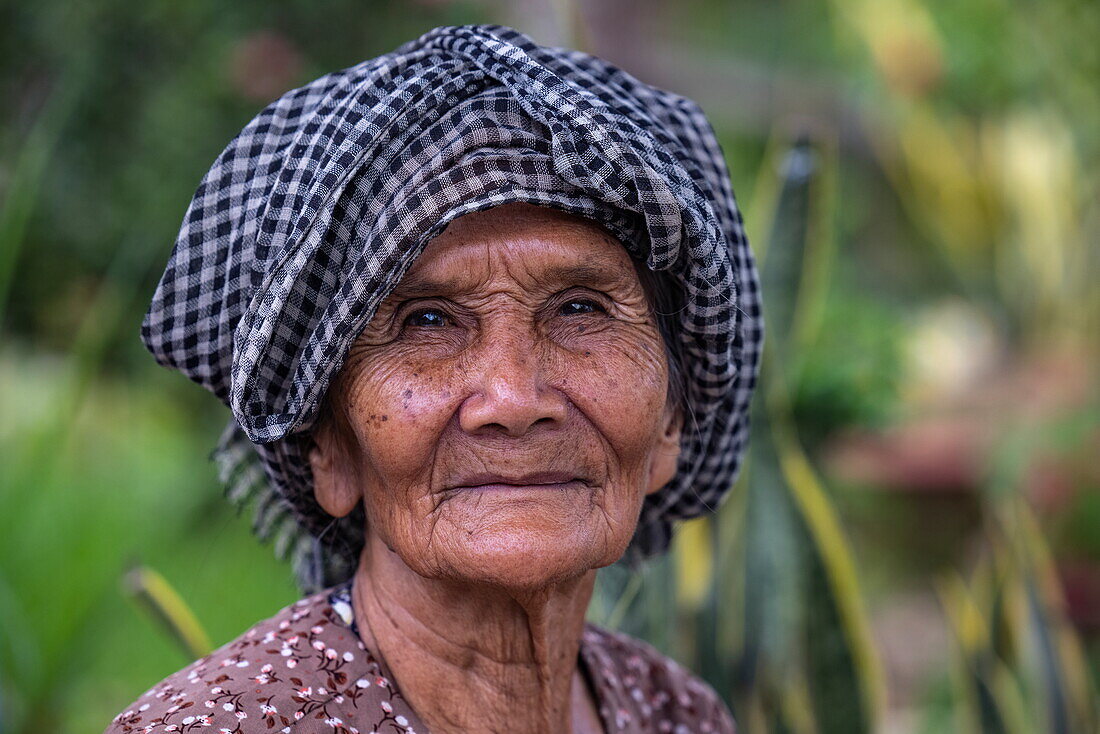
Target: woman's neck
(477,659)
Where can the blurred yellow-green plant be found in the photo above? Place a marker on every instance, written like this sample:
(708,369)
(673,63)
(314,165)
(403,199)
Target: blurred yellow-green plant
(1018,666)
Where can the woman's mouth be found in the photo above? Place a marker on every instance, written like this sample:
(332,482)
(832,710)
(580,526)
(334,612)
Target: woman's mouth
(547,480)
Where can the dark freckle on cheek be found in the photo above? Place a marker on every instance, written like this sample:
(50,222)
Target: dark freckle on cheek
(580,329)
(588,354)
(385,418)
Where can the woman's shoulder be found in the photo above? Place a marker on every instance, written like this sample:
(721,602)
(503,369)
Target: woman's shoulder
(650,691)
(298,671)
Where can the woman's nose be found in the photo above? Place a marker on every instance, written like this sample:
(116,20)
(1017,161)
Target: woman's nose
(511,395)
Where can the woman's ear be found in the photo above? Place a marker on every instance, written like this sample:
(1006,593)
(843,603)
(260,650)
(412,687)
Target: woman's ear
(666,452)
(333,478)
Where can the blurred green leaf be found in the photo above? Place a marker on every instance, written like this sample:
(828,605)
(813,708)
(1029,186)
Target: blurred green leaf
(165,604)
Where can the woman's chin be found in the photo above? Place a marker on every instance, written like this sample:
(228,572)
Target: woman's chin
(528,558)
(525,539)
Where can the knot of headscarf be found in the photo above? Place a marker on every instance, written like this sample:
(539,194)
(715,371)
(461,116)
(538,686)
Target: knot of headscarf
(314,212)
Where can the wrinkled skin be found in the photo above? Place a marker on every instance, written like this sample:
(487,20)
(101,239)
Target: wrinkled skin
(501,418)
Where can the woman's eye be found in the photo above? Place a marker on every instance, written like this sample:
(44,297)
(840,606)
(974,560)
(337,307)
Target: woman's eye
(576,306)
(428,317)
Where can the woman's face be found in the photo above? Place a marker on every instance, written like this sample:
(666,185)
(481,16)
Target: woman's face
(505,412)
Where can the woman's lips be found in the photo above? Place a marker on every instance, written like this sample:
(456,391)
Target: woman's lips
(534,480)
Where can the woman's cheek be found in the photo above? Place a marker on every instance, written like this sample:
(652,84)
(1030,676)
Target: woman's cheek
(401,411)
(622,387)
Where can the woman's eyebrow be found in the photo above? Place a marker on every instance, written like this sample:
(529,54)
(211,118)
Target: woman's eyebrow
(585,274)
(420,286)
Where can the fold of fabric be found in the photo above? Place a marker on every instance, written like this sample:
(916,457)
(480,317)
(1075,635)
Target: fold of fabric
(314,212)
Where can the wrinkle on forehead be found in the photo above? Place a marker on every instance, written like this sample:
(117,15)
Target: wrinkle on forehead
(511,229)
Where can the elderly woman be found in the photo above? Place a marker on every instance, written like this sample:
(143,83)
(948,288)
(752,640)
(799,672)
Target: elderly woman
(487,321)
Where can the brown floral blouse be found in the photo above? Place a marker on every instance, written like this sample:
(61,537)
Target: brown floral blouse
(306,671)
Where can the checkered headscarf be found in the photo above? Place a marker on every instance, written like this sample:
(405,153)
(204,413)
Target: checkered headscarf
(314,212)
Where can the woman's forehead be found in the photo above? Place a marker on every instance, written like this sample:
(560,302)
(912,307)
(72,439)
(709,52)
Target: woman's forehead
(523,243)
